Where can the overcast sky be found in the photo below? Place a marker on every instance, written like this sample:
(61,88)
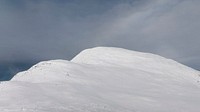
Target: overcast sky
(51,29)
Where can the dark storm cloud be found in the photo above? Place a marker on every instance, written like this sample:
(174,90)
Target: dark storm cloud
(51,29)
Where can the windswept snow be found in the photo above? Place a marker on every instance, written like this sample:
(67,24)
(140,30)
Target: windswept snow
(104,79)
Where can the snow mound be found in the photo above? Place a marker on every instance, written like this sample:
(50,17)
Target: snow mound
(115,56)
(109,56)
(57,70)
(46,71)
(104,79)
(118,57)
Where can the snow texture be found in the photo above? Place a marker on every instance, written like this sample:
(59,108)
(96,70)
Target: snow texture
(104,79)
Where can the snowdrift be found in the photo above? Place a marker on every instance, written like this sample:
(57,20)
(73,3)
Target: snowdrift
(104,79)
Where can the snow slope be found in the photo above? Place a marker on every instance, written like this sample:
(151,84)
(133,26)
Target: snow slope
(104,79)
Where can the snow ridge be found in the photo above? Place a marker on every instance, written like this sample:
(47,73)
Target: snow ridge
(104,79)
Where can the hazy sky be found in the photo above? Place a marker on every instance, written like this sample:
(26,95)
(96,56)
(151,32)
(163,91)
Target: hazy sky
(34,30)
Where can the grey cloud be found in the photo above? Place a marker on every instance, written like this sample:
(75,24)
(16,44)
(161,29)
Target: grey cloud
(50,29)
(168,28)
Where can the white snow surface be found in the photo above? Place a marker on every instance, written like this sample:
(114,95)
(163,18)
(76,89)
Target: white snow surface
(104,79)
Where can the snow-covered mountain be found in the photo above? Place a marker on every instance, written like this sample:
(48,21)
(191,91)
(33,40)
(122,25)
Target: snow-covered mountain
(104,79)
